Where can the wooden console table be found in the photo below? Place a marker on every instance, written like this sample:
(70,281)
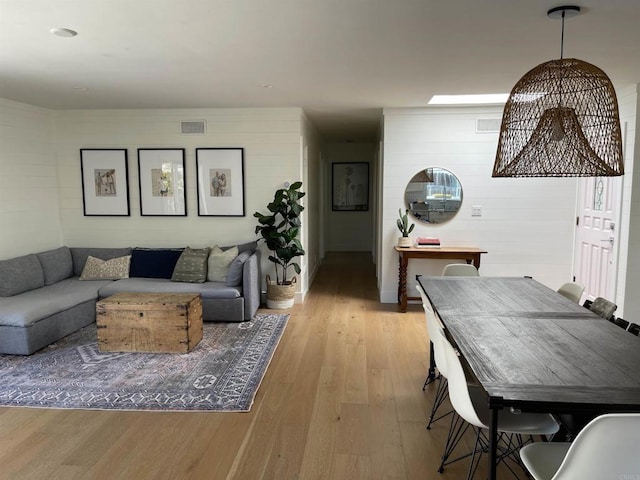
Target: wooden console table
(469,254)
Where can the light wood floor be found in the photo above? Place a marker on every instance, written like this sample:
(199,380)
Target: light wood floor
(342,399)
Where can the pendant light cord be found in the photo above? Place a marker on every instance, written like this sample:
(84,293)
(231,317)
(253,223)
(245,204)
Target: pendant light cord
(562,38)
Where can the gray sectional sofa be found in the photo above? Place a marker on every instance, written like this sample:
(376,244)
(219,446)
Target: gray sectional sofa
(43,299)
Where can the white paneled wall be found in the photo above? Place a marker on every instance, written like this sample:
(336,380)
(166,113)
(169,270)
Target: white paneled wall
(271,139)
(628,232)
(527,225)
(312,186)
(271,142)
(29,208)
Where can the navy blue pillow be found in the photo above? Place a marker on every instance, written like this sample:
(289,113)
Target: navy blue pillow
(154,262)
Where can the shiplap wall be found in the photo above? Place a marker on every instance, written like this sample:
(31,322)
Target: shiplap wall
(527,225)
(271,139)
(29,208)
(628,232)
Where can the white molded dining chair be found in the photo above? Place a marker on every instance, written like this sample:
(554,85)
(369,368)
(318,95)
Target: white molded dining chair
(477,414)
(439,359)
(606,449)
(572,291)
(458,426)
(460,270)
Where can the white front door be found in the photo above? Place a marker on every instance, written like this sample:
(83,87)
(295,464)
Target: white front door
(595,262)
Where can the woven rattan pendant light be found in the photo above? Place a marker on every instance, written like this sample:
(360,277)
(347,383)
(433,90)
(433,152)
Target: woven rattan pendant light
(561,120)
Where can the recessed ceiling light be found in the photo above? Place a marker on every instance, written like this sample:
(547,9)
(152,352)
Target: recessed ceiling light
(64,32)
(469,99)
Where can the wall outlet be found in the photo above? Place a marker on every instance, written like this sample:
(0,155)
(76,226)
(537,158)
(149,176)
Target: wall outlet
(476,211)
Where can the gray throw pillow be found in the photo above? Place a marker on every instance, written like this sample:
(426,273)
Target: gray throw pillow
(191,266)
(243,247)
(234,275)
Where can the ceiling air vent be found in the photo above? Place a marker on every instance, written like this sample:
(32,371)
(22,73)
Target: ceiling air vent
(488,125)
(194,126)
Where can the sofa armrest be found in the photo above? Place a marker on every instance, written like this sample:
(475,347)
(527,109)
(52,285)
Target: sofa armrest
(251,282)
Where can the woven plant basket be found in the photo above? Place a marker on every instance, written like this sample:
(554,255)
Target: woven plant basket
(280,297)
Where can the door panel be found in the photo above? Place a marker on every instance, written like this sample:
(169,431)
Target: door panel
(598,204)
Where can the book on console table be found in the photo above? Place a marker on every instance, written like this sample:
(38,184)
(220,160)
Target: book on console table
(427,242)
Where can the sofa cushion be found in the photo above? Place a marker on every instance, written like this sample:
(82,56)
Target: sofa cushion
(219,262)
(80,255)
(56,264)
(114,269)
(207,290)
(234,275)
(32,306)
(154,262)
(191,266)
(244,247)
(20,274)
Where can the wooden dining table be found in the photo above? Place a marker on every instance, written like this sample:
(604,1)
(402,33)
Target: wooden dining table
(533,350)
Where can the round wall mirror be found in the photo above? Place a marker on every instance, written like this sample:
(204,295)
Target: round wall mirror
(433,195)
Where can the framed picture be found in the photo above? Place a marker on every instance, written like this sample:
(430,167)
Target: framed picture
(350,186)
(220,181)
(162,181)
(105,181)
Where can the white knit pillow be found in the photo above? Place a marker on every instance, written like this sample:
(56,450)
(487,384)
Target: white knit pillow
(114,269)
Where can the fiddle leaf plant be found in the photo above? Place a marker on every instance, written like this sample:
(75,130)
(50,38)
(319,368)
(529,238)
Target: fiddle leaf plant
(280,230)
(403,223)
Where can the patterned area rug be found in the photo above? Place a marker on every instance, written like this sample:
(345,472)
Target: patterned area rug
(222,373)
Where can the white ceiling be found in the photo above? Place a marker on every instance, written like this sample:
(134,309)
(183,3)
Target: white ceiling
(340,60)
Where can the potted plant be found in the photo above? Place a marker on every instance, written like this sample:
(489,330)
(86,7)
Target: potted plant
(405,229)
(280,230)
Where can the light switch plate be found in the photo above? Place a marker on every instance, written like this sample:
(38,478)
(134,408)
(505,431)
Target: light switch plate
(476,211)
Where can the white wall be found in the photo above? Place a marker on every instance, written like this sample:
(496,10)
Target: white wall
(29,208)
(312,186)
(527,225)
(350,231)
(629,229)
(271,139)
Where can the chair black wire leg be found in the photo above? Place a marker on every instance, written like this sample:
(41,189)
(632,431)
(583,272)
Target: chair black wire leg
(457,430)
(510,454)
(442,393)
(476,455)
(431,374)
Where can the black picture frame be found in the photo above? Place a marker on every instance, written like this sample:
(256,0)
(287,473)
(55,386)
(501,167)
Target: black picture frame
(162,182)
(350,186)
(105,181)
(220,182)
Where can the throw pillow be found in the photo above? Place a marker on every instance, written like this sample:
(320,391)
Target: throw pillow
(154,262)
(191,266)
(219,263)
(79,255)
(243,247)
(114,269)
(234,275)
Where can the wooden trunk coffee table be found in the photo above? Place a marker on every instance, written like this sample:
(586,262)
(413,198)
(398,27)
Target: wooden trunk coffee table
(149,322)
